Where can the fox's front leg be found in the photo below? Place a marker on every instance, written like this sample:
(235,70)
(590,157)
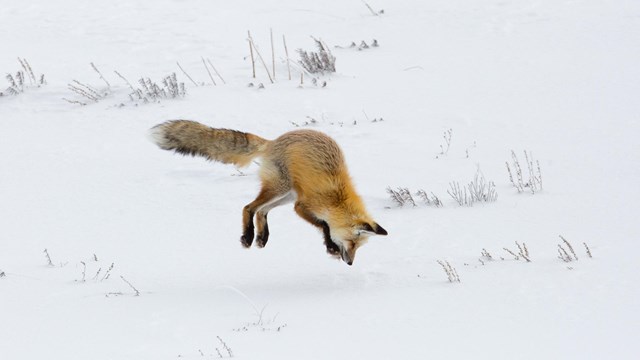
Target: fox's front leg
(332,248)
(304,213)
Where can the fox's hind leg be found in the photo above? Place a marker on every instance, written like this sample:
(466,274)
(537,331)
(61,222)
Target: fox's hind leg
(265,196)
(276,190)
(261,217)
(306,214)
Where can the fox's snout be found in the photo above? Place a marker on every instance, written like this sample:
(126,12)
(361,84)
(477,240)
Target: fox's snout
(348,253)
(346,257)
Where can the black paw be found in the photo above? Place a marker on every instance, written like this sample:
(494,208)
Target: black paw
(263,237)
(246,239)
(261,240)
(332,248)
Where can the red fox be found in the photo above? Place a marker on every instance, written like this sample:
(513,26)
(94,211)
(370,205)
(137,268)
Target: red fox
(302,166)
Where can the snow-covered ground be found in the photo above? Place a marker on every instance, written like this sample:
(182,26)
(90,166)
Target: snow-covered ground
(557,78)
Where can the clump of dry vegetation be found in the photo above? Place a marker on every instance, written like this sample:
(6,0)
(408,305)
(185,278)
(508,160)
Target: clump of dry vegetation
(452,274)
(23,79)
(478,190)
(517,176)
(321,61)
(402,196)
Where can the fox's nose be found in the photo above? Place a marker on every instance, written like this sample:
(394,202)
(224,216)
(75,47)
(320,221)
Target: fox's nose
(350,262)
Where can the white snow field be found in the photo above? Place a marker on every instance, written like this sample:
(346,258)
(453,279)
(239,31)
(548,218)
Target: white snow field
(559,79)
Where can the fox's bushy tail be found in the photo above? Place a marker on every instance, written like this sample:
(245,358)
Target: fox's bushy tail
(223,145)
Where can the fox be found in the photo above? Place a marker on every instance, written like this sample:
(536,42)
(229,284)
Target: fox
(304,167)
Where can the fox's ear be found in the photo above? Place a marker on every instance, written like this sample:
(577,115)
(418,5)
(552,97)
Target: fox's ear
(373,228)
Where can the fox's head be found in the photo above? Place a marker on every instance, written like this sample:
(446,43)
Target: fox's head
(350,236)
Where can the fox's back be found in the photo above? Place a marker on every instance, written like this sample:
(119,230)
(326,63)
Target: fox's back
(309,148)
(311,160)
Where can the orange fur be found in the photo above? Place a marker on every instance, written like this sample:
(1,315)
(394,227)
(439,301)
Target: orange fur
(304,166)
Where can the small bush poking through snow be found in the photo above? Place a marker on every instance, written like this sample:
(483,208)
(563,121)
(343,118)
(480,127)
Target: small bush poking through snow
(225,347)
(570,255)
(18,82)
(534,183)
(523,252)
(222,352)
(402,196)
(262,323)
(444,148)
(99,275)
(478,190)
(451,272)
(150,91)
(322,61)
(432,200)
(87,92)
(486,255)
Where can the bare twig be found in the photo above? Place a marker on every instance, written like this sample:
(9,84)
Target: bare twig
(100,74)
(569,246)
(523,251)
(451,272)
(563,255)
(84,271)
(370,8)
(273,55)
(49,262)
(95,277)
(86,91)
(74,102)
(588,250)
(447,139)
(253,60)
(108,272)
(125,80)
(187,75)
(216,71)
(225,347)
(253,44)
(286,52)
(131,286)
(27,69)
(209,72)
(512,253)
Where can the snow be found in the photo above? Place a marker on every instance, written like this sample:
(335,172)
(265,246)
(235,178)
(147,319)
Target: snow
(557,78)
